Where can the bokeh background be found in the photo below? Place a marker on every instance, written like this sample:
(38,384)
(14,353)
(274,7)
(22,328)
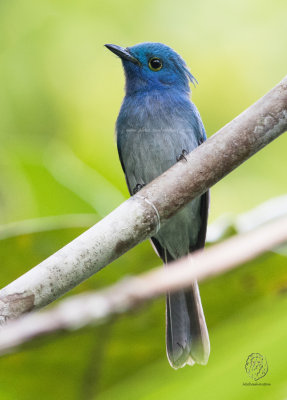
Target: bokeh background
(60,92)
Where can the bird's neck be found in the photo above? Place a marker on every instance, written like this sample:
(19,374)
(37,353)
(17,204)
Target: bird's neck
(158,98)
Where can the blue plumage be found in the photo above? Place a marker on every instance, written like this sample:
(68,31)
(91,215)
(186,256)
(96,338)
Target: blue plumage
(156,124)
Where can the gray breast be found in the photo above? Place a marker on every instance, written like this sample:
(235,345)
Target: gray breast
(150,144)
(147,151)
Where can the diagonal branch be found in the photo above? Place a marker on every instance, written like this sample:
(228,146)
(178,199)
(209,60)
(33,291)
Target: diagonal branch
(94,308)
(138,218)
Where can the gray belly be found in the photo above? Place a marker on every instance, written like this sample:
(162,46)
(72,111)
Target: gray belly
(150,152)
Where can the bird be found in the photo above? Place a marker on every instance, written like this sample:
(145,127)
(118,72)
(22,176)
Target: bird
(157,126)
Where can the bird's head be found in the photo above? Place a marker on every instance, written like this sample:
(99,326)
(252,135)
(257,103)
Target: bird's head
(151,66)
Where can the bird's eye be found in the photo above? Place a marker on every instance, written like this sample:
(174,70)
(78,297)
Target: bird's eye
(155,64)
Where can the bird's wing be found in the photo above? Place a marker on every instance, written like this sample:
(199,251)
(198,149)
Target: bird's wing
(204,206)
(163,252)
(123,165)
(120,154)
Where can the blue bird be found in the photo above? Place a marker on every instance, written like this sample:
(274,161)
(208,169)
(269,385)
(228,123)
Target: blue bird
(156,127)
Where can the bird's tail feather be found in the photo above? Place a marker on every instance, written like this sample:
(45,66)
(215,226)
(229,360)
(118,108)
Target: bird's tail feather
(187,340)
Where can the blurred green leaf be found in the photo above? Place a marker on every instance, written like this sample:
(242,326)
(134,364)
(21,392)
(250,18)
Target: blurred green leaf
(81,179)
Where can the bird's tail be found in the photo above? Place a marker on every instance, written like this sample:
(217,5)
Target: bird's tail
(187,340)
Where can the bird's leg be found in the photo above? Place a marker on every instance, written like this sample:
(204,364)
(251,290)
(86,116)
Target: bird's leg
(182,156)
(138,187)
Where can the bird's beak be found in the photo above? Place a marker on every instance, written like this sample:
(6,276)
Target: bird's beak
(122,53)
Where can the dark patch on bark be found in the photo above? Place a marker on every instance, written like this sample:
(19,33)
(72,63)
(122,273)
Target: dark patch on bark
(122,246)
(16,304)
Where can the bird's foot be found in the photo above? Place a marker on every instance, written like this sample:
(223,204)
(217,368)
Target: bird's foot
(138,187)
(182,156)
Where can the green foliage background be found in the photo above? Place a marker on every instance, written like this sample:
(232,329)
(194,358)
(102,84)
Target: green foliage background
(60,92)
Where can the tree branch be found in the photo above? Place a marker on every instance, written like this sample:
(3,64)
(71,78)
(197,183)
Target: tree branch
(226,224)
(94,308)
(138,218)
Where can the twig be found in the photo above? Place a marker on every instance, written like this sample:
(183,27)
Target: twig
(266,212)
(94,308)
(138,218)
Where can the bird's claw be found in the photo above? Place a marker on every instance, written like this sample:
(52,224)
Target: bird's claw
(138,187)
(182,156)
